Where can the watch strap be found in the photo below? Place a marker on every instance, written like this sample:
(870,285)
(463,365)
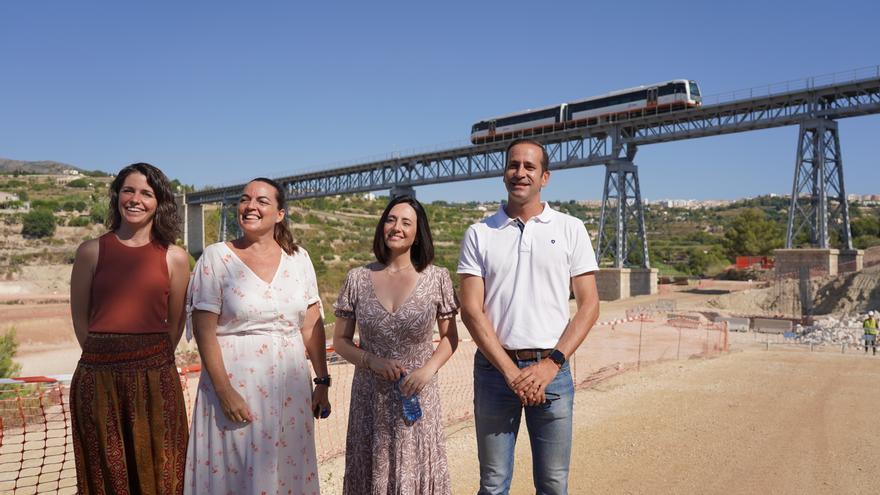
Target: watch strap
(557,357)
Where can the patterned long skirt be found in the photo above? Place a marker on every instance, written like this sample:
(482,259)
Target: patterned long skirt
(128,416)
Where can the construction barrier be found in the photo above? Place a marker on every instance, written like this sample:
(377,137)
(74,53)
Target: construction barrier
(36,451)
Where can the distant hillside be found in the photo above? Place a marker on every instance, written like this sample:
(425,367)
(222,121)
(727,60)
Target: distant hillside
(8,166)
(40,167)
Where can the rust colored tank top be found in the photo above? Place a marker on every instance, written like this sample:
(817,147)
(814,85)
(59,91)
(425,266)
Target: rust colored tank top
(130,288)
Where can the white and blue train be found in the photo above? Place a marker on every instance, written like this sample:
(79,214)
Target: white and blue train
(662,97)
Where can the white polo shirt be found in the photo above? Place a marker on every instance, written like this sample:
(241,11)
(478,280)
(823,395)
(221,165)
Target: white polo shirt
(527,273)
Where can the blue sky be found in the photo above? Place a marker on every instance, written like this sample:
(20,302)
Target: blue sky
(216,92)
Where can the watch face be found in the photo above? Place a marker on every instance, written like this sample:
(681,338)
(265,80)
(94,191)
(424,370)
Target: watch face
(557,357)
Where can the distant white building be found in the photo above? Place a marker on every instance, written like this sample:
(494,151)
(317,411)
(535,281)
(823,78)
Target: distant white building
(863,198)
(6,197)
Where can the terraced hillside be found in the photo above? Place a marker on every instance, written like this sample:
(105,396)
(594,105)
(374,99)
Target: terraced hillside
(338,233)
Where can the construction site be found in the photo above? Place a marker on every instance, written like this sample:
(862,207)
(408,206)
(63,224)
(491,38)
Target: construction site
(809,306)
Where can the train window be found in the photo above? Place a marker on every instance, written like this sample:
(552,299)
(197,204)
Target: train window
(695,90)
(549,113)
(480,126)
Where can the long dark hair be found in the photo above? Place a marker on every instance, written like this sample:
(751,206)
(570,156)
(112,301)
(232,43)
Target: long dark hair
(282,233)
(422,251)
(166,222)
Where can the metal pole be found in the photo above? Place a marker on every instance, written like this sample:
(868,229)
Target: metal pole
(639,362)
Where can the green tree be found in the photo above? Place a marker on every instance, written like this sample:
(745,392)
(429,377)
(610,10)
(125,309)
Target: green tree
(98,212)
(700,261)
(80,183)
(751,233)
(79,222)
(38,223)
(865,225)
(8,346)
(48,204)
(178,187)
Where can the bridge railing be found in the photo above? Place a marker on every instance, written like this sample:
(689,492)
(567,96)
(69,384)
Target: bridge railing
(806,83)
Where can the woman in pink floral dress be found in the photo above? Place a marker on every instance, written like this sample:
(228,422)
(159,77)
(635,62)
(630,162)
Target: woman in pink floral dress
(396,303)
(255,311)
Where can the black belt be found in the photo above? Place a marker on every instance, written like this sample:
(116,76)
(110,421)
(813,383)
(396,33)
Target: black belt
(528,354)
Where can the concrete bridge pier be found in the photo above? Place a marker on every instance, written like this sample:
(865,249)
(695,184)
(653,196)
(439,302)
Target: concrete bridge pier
(398,191)
(194,229)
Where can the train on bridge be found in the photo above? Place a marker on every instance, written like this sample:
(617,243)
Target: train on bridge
(667,96)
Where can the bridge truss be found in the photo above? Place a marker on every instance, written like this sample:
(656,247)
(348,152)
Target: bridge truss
(818,193)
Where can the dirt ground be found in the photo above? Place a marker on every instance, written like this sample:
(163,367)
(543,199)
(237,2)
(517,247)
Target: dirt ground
(753,421)
(39,313)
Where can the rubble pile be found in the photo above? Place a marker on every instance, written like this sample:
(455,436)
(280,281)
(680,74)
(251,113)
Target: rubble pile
(832,331)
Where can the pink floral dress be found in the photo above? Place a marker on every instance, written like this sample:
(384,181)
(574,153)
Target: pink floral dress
(384,454)
(259,335)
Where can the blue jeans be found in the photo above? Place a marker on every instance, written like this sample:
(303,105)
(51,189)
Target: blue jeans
(497,414)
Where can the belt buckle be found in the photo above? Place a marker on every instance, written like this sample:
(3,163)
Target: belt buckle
(531,355)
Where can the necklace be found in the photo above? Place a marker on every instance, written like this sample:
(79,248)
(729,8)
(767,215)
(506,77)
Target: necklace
(392,272)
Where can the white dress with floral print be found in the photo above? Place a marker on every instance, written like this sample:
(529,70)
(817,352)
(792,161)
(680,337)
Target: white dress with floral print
(259,335)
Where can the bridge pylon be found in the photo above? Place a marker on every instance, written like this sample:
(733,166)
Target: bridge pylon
(818,197)
(228,228)
(622,218)
(221,231)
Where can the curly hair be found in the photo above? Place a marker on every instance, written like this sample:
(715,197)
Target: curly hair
(167,222)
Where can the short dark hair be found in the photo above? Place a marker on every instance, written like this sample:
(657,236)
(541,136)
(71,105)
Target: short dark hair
(166,222)
(282,234)
(422,251)
(545,158)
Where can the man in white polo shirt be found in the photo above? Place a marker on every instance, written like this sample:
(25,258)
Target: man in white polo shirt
(517,268)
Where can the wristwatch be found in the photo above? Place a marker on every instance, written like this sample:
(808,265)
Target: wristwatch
(324,380)
(557,357)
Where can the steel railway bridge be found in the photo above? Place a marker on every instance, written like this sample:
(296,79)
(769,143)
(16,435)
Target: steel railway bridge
(818,199)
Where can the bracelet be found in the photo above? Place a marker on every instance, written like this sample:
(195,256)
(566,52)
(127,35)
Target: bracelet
(324,380)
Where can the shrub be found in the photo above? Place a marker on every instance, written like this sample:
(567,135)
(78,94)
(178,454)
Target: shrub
(8,346)
(47,204)
(98,213)
(79,222)
(38,223)
(79,183)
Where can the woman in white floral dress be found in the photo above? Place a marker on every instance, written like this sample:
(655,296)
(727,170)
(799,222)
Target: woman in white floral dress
(255,310)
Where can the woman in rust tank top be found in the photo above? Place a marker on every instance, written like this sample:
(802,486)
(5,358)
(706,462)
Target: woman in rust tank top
(127,295)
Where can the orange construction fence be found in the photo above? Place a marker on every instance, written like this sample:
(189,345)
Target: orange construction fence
(36,451)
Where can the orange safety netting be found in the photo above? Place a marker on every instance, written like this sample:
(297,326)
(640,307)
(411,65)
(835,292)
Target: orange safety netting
(36,450)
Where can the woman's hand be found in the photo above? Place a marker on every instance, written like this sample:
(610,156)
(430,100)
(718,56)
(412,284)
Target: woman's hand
(414,382)
(320,402)
(234,407)
(389,369)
